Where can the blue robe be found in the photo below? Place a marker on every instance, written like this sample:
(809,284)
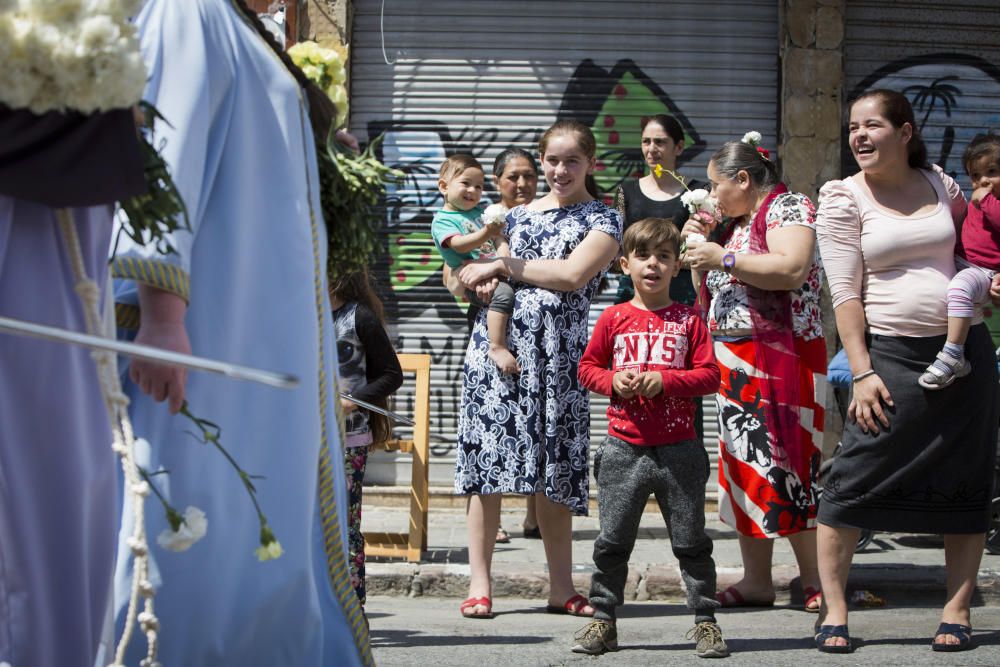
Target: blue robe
(253,272)
(57,471)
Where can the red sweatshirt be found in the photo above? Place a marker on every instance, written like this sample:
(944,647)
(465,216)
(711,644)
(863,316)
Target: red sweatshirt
(980,239)
(673,341)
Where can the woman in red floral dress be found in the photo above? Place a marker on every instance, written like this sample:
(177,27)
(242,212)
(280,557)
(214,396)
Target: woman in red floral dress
(762,287)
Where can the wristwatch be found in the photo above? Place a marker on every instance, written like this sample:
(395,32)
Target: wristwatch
(728,262)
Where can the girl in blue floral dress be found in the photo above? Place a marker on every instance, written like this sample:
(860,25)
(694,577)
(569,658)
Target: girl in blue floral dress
(529,433)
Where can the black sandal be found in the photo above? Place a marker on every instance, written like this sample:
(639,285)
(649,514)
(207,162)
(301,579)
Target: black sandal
(963,633)
(825,632)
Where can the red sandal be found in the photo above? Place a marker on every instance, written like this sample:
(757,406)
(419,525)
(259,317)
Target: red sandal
(571,606)
(812,595)
(484,601)
(731,597)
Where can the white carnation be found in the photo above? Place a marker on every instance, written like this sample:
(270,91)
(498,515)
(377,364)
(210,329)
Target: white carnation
(695,238)
(753,138)
(52,11)
(270,551)
(192,528)
(698,200)
(495,214)
(70,54)
(98,33)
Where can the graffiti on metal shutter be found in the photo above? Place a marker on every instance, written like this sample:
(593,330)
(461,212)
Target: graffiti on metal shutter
(612,102)
(954,98)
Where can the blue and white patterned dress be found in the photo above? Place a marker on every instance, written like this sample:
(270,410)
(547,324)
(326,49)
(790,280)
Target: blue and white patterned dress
(530,433)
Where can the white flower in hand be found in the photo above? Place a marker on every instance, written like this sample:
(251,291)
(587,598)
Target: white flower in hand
(494,215)
(753,138)
(191,528)
(698,200)
(695,238)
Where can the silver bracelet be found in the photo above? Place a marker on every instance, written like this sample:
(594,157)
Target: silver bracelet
(861,376)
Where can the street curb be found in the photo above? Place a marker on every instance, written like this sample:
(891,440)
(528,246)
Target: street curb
(896,584)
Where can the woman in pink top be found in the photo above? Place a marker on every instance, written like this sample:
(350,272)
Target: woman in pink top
(911,460)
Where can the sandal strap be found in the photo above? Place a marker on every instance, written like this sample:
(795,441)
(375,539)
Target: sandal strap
(954,629)
(575,603)
(954,363)
(475,602)
(824,632)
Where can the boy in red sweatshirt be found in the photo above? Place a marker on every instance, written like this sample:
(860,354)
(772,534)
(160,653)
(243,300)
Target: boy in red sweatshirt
(654,358)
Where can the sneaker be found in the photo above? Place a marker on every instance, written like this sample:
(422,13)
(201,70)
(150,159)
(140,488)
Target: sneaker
(709,640)
(597,637)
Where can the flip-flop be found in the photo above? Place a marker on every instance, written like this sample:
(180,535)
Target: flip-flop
(812,595)
(571,606)
(963,633)
(503,537)
(733,598)
(477,602)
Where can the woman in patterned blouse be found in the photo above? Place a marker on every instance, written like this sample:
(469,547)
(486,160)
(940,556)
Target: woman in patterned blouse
(762,287)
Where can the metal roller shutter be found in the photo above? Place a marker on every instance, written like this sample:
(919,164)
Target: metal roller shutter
(944,56)
(476,77)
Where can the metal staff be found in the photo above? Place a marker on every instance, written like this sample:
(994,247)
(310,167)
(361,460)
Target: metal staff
(396,417)
(146,353)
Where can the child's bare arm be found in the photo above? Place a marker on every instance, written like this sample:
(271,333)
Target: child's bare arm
(503,248)
(468,242)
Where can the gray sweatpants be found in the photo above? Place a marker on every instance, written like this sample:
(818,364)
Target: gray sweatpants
(502,301)
(676,474)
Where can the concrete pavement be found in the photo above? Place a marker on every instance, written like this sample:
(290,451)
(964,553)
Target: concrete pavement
(898,568)
(429,631)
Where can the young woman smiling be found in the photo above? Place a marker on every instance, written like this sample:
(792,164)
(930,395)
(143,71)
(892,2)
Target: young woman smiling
(911,460)
(529,434)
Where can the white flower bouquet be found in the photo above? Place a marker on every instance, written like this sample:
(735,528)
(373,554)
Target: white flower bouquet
(698,200)
(70,55)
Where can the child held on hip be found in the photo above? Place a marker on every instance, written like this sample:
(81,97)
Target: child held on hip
(463,231)
(977,255)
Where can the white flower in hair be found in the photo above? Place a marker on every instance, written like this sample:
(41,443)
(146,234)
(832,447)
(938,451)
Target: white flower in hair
(698,200)
(495,214)
(753,138)
(192,528)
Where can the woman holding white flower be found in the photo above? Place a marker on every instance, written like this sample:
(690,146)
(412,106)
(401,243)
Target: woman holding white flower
(247,285)
(659,194)
(762,283)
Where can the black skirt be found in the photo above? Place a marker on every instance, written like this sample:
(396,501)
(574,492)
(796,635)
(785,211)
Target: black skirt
(932,470)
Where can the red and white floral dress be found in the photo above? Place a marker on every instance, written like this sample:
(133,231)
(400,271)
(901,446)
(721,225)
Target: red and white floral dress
(761,492)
